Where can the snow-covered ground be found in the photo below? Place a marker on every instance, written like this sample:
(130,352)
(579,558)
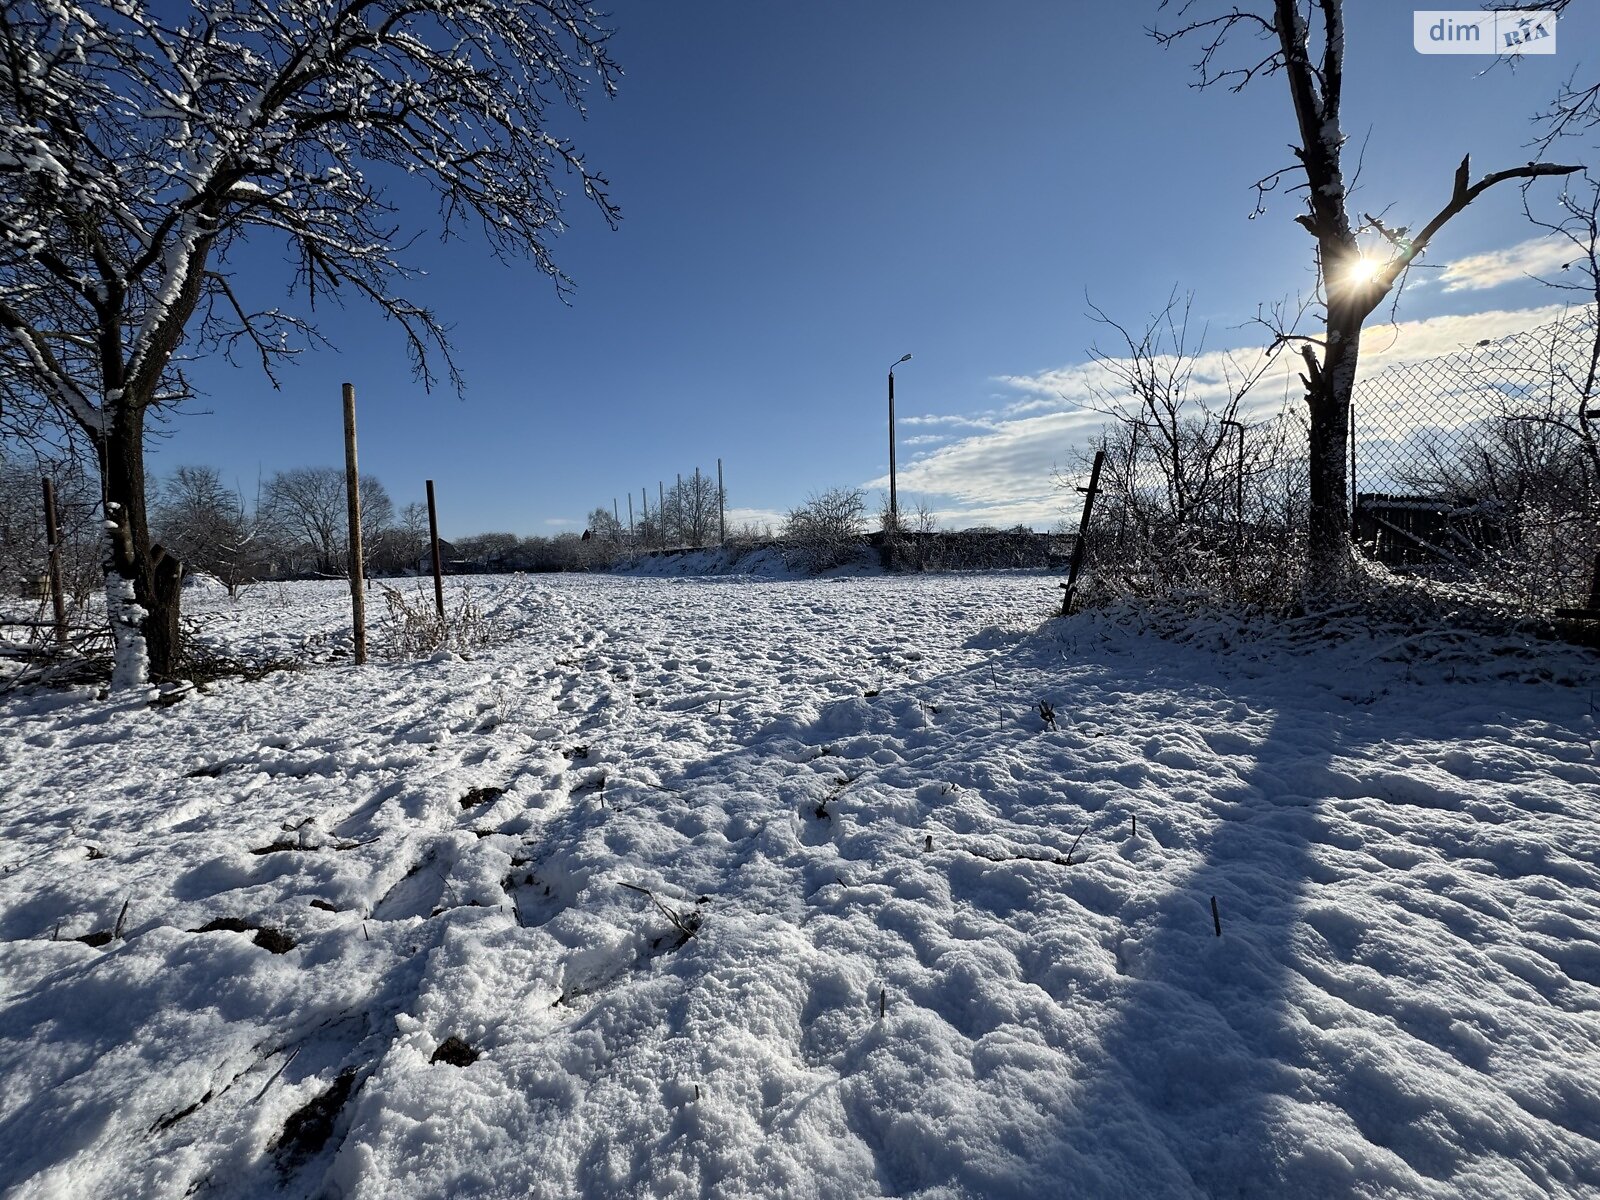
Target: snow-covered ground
(741,887)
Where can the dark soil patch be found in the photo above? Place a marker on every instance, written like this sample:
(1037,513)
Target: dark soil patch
(309,1127)
(285,847)
(454,1052)
(273,940)
(481,795)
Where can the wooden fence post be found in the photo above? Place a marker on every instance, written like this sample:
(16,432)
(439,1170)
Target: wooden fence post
(352,487)
(53,541)
(433,542)
(1083,533)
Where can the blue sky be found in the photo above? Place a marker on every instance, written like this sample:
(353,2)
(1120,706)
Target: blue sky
(812,189)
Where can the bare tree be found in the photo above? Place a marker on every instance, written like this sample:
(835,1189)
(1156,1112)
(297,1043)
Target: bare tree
(647,530)
(23,545)
(1172,457)
(604,527)
(490,549)
(1575,108)
(1532,464)
(207,525)
(691,509)
(1183,480)
(403,546)
(826,530)
(306,507)
(1574,407)
(1304,40)
(141,144)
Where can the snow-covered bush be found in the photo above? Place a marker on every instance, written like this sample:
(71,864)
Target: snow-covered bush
(826,531)
(413,627)
(1195,498)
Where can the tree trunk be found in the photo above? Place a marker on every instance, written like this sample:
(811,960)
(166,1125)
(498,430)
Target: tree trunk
(1328,392)
(143,583)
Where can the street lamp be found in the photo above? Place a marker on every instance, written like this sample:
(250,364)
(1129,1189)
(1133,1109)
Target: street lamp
(894,498)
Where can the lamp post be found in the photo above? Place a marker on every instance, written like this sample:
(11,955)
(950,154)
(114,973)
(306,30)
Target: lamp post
(894,497)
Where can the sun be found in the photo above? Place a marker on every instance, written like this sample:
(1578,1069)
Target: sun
(1362,270)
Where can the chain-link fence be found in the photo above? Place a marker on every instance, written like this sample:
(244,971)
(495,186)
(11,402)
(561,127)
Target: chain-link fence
(1477,475)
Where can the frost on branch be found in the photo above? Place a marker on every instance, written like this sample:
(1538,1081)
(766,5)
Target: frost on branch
(138,149)
(140,143)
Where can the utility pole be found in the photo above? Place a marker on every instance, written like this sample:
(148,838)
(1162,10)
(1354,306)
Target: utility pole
(891,535)
(722,508)
(352,487)
(894,497)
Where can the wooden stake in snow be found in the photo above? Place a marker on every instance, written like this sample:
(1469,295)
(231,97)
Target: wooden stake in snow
(883,1002)
(53,536)
(352,487)
(433,541)
(1081,544)
(1216,917)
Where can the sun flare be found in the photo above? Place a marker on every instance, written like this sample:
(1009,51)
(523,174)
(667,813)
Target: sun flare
(1362,270)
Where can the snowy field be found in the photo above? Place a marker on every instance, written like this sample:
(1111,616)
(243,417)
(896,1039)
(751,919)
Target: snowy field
(732,887)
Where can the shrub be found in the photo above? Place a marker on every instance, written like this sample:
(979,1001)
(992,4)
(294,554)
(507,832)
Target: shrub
(826,531)
(414,628)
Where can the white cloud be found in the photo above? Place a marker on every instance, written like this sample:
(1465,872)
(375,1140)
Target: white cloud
(739,517)
(1541,256)
(1003,474)
(976,421)
(561,521)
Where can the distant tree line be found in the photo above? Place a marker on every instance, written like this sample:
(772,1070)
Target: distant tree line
(292,525)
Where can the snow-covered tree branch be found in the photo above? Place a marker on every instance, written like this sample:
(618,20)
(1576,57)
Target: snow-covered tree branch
(137,149)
